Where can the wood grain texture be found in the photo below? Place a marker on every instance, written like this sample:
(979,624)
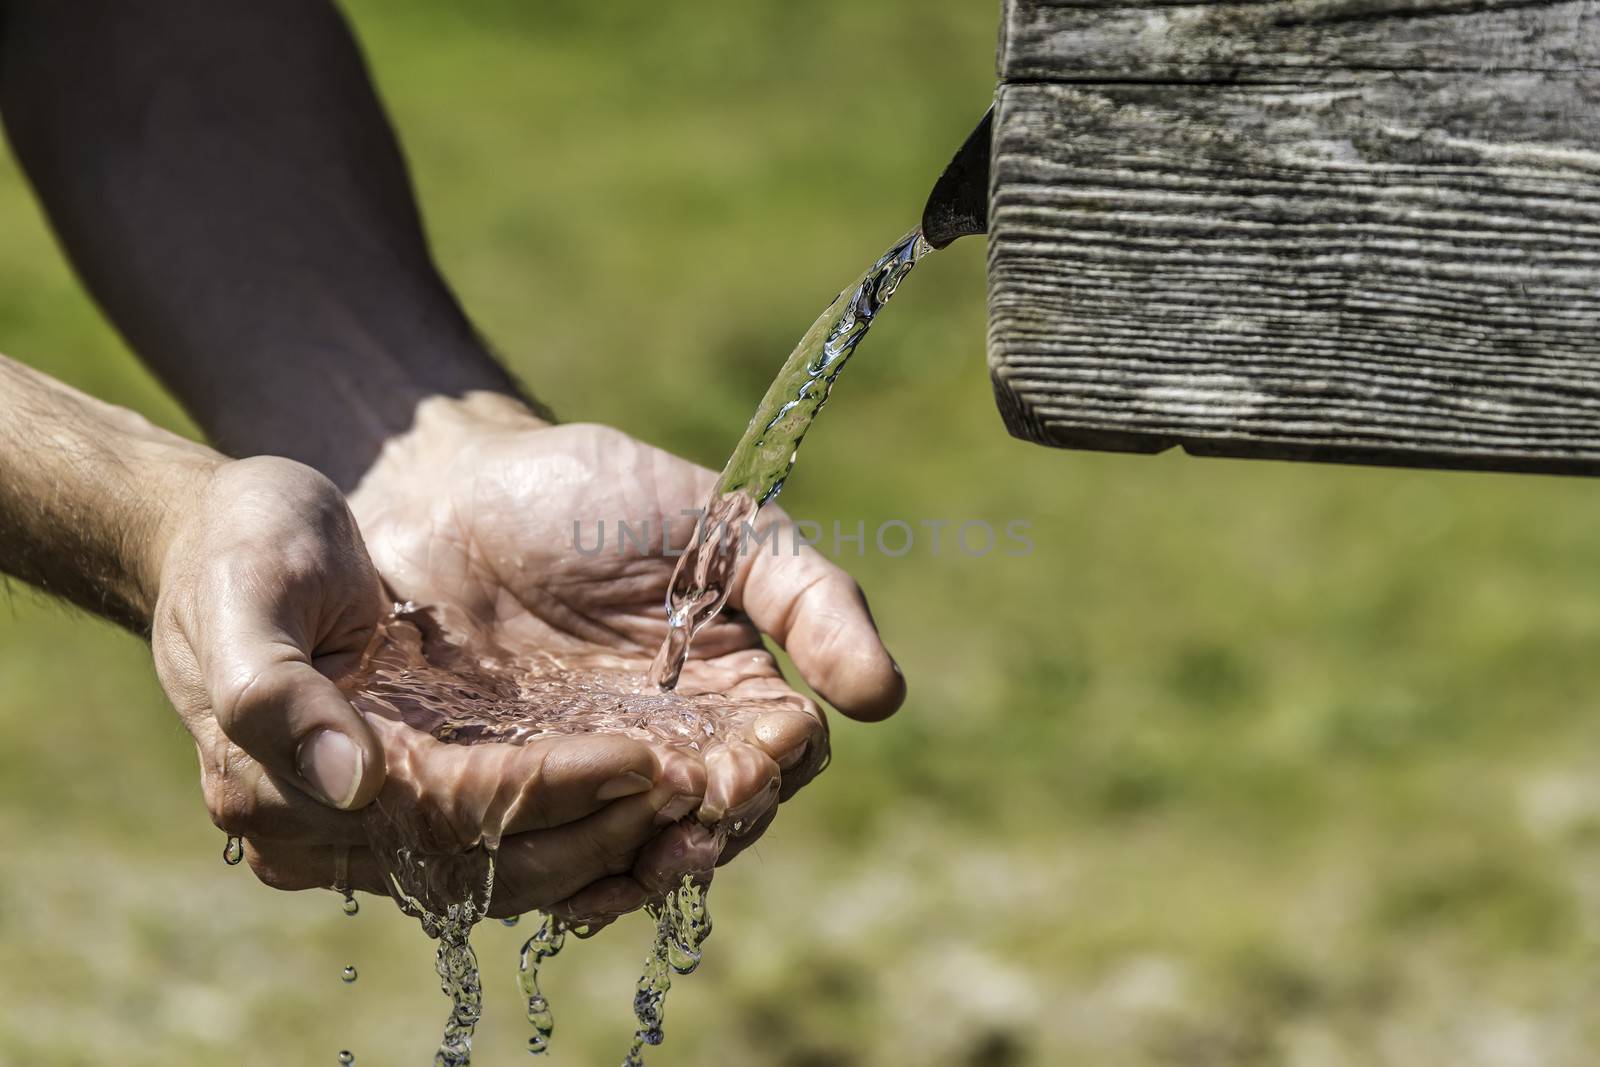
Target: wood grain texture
(1165,40)
(1367,265)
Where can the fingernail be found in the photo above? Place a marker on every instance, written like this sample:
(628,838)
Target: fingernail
(330,763)
(627,785)
(676,808)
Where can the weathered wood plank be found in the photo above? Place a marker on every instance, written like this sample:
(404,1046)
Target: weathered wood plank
(1166,40)
(1379,266)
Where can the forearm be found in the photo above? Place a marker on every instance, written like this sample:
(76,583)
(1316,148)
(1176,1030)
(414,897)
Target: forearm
(223,176)
(85,492)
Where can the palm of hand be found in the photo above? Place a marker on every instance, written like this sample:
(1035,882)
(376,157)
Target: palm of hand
(473,514)
(487,528)
(520,531)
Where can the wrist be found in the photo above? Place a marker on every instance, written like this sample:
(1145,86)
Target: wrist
(336,410)
(479,411)
(441,430)
(177,474)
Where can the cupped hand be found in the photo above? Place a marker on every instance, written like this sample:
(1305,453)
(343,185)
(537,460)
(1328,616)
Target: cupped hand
(268,602)
(495,513)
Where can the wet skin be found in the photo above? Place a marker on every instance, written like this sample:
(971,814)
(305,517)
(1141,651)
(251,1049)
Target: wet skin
(473,512)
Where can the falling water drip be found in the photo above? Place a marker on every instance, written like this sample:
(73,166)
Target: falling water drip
(543,945)
(351,905)
(348,975)
(447,909)
(682,925)
(760,464)
(457,965)
(347,1058)
(233,852)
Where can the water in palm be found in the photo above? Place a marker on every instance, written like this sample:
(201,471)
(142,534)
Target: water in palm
(476,692)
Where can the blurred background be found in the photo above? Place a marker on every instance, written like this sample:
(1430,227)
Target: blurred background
(1244,764)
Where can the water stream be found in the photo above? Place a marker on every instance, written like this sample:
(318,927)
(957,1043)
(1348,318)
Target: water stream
(761,462)
(545,943)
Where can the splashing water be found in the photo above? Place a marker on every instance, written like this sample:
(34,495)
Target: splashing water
(459,980)
(765,455)
(476,692)
(449,896)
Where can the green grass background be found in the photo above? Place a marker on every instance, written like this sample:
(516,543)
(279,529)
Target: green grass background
(1245,764)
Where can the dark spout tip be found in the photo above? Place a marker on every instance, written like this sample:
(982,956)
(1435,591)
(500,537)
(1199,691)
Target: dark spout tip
(959,205)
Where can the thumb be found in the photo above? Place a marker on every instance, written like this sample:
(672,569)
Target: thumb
(278,708)
(817,613)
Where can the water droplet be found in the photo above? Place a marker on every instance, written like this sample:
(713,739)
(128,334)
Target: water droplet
(349,973)
(511,920)
(347,1057)
(351,904)
(233,852)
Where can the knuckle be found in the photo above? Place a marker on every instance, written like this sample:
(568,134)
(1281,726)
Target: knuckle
(246,696)
(232,792)
(232,809)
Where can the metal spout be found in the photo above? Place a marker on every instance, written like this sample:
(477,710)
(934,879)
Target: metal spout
(959,205)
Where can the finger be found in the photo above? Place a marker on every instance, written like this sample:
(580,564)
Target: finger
(686,849)
(457,795)
(535,869)
(737,843)
(271,701)
(290,866)
(788,727)
(742,782)
(574,777)
(298,724)
(819,615)
(795,737)
(601,902)
(246,801)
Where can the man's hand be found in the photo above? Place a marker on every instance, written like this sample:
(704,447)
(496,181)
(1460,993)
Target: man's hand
(267,604)
(478,508)
(274,274)
(261,602)
(266,596)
